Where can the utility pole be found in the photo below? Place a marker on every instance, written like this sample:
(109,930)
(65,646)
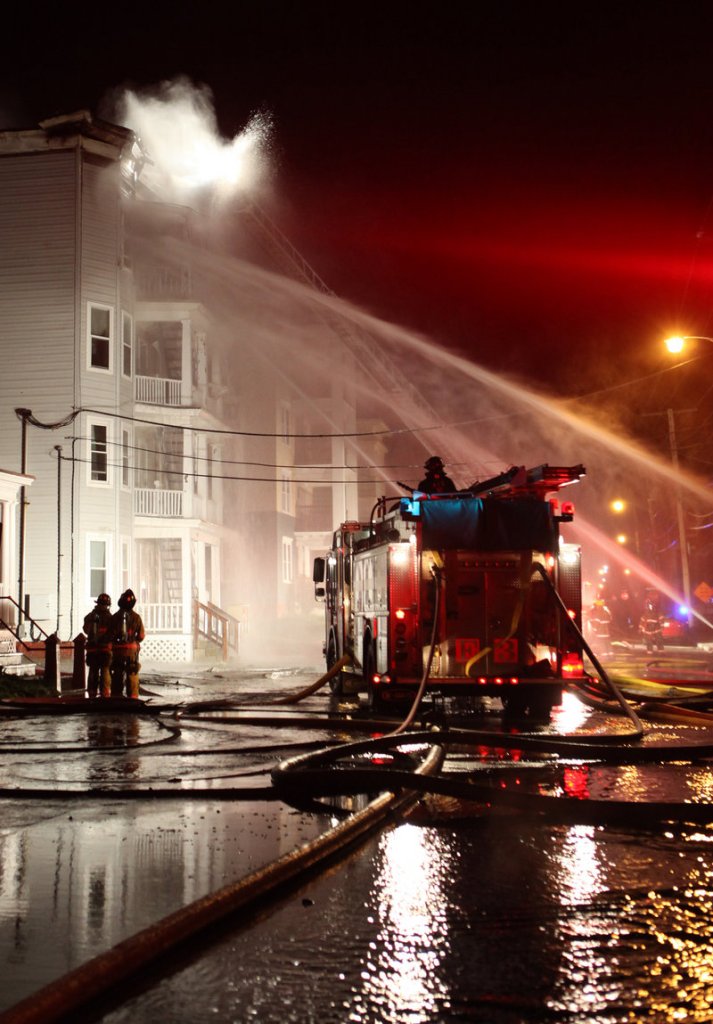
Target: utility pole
(682,539)
(680,518)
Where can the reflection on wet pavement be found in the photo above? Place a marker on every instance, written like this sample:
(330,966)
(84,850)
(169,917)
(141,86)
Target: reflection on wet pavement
(452,915)
(493,923)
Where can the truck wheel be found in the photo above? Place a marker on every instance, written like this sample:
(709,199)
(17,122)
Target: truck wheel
(540,706)
(535,704)
(336,683)
(373,697)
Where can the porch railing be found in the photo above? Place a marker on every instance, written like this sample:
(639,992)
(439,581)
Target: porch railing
(157,390)
(162,618)
(153,501)
(216,626)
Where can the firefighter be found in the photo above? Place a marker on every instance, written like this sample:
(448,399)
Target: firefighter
(435,480)
(97,626)
(128,633)
(600,623)
(651,628)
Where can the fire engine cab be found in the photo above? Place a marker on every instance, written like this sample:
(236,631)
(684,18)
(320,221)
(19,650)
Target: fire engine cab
(472,591)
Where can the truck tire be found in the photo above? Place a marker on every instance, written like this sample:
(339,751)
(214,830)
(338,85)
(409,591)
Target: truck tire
(535,703)
(373,697)
(336,683)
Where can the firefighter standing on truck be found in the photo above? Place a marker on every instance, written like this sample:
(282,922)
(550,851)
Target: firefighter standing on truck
(435,480)
(128,633)
(97,626)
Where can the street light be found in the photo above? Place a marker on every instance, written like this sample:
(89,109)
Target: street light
(677,342)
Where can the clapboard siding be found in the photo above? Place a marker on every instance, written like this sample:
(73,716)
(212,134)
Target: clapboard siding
(37,306)
(37,332)
(59,247)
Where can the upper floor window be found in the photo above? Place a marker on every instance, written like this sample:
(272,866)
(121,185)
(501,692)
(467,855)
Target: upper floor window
(212,456)
(285,423)
(99,337)
(287,569)
(127,345)
(125,457)
(286,493)
(98,453)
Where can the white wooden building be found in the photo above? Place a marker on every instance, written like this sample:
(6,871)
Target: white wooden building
(84,344)
(128,404)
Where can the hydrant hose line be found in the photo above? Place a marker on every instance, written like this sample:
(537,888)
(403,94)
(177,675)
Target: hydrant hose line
(105,972)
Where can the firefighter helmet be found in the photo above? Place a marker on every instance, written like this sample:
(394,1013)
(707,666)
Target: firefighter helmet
(434,464)
(104,599)
(127,600)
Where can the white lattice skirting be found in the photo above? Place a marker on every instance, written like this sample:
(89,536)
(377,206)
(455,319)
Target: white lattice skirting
(167,648)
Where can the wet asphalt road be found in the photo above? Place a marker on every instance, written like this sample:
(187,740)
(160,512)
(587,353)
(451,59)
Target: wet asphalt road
(451,915)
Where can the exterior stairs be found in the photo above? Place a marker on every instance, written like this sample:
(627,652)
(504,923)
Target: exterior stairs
(12,661)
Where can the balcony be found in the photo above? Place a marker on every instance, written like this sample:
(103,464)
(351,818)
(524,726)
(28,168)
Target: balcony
(157,390)
(153,501)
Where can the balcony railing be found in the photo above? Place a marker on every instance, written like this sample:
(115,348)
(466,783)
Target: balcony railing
(163,283)
(152,501)
(157,390)
(162,618)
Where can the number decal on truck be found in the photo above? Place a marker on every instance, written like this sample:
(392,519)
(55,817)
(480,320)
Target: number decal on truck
(505,650)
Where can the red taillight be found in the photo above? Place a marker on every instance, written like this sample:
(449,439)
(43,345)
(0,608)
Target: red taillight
(572,666)
(400,613)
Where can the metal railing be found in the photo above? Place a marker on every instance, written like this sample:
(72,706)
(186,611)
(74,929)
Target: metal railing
(36,632)
(217,627)
(157,390)
(154,501)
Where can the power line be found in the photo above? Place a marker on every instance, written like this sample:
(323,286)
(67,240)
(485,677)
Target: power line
(245,462)
(211,476)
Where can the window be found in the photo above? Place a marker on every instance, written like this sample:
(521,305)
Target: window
(127,344)
(98,461)
(125,563)
(211,452)
(125,466)
(98,583)
(100,337)
(285,423)
(208,556)
(287,573)
(286,493)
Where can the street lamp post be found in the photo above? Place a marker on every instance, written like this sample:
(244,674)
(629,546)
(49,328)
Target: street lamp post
(24,415)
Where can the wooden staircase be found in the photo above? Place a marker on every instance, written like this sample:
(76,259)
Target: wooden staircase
(12,661)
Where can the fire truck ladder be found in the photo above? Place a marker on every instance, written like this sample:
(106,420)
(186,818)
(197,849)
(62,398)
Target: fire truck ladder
(537,482)
(381,368)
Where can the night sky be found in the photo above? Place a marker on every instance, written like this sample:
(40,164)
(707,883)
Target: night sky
(529,182)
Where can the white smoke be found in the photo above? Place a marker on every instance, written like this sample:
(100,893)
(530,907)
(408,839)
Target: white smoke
(177,127)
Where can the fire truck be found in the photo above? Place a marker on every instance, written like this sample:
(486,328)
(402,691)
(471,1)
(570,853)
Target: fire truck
(460,594)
